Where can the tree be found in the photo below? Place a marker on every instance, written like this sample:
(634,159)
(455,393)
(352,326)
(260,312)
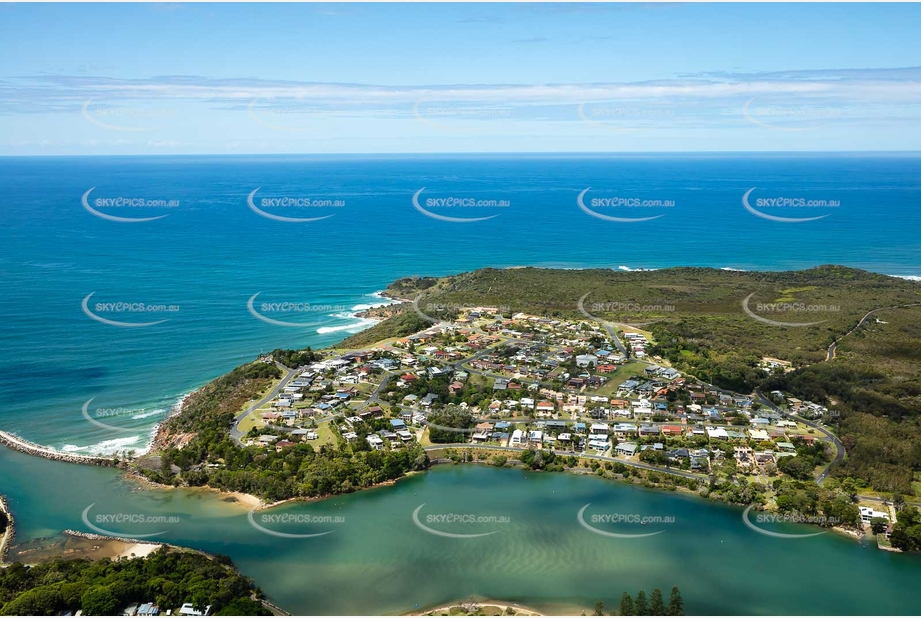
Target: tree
(640,604)
(99,601)
(599,608)
(626,605)
(656,605)
(676,603)
(879,525)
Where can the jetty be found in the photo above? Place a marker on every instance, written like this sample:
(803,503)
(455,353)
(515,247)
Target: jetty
(30,448)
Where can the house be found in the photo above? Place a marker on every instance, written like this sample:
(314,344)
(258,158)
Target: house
(545,408)
(627,449)
(621,430)
(599,443)
(397,424)
(148,609)
(517,438)
(867,514)
(188,609)
(649,430)
(536,437)
(350,436)
(672,430)
(404,435)
(717,433)
(599,429)
(375,442)
(759,435)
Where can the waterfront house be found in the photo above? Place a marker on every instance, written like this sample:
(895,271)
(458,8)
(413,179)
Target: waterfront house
(627,449)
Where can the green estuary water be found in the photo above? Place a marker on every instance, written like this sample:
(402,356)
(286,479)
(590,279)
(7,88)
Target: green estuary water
(485,532)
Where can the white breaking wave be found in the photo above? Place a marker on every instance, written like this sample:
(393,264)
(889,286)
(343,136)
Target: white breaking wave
(909,277)
(635,270)
(360,323)
(735,270)
(107,447)
(149,414)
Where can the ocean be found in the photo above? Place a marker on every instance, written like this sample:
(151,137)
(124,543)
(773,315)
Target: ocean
(115,320)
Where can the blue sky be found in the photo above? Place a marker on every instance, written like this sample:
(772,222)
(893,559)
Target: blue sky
(375,78)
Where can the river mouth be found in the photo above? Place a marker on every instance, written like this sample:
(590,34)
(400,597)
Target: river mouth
(524,543)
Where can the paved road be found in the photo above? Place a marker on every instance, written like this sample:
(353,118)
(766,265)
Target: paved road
(839,446)
(235,432)
(634,464)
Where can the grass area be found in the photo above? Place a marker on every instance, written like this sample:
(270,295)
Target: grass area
(250,421)
(424,439)
(623,373)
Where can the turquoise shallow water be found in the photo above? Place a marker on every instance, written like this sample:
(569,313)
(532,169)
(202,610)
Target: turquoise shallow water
(211,253)
(376,560)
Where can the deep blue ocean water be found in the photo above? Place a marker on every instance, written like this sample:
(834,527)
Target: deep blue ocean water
(211,253)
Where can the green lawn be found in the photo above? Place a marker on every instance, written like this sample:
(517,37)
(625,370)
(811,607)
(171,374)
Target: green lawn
(624,372)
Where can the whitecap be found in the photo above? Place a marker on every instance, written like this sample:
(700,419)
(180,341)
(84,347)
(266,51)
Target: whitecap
(156,412)
(106,447)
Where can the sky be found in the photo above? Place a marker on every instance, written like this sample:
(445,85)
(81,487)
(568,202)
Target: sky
(107,79)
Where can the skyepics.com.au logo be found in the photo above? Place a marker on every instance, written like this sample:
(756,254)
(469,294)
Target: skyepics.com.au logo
(130,118)
(310,526)
(100,417)
(787,117)
(124,204)
(292,203)
(123,308)
(131,525)
(624,312)
(441,524)
(782,201)
(457,204)
(762,519)
(627,525)
(625,117)
(785,308)
(622,205)
(290,308)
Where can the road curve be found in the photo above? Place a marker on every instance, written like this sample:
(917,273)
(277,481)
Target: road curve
(235,432)
(830,355)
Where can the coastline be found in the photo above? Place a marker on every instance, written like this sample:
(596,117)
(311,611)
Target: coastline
(9,535)
(520,610)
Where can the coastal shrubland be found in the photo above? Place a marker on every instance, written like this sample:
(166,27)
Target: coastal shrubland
(195,449)
(105,588)
(872,386)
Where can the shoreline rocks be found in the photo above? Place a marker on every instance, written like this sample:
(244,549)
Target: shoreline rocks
(30,448)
